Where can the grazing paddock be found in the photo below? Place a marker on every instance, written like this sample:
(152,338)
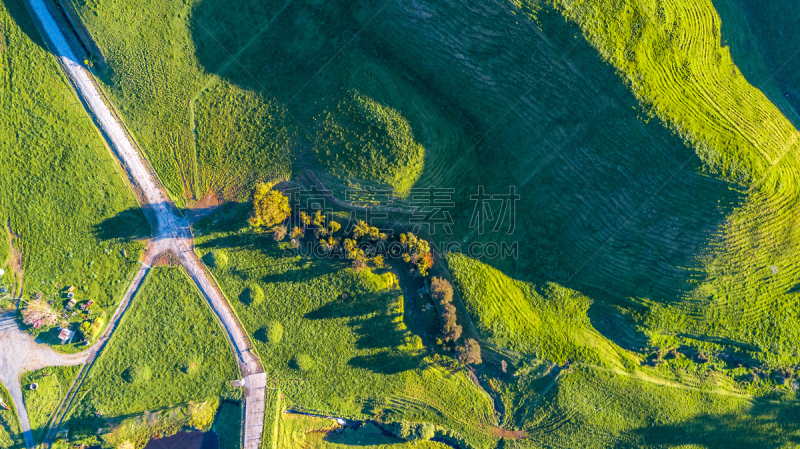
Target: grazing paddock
(348,356)
(53,385)
(168,352)
(605,397)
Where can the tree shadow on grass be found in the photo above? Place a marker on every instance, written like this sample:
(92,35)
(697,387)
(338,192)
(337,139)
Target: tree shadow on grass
(378,329)
(127,225)
(19,14)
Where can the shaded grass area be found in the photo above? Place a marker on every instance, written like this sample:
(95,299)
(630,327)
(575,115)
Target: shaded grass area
(60,183)
(219,98)
(608,397)
(168,352)
(317,433)
(550,322)
(10,435)
(773,40)
(228,425)
(53,384)
(350,356)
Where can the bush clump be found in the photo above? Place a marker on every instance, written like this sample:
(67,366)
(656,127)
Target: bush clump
(137,374)
(253,294)
(410,431)
(303,362)
(216,259)
(272,333)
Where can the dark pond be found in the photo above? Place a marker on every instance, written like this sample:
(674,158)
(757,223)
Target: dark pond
(186,440)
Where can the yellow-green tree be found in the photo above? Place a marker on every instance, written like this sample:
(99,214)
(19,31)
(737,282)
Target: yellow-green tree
(270,207)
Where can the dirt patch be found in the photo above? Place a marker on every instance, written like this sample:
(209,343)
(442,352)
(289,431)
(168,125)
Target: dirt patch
(203,207)
(168,259)
(508,434)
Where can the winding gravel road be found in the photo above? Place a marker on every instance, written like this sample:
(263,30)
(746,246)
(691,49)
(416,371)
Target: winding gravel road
(172,234)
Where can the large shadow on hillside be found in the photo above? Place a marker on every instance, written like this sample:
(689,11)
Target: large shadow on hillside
(768,31)
(611,203)
(765,425)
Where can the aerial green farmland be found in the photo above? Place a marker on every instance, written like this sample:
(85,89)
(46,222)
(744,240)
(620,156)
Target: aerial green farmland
(165,369)
(647,153)
(344,348)
(62,192)
(53,384)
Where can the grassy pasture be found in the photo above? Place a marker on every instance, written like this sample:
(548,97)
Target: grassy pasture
(352,357)
(10,436)
(61,190)
(168,352)
(606,398)
(54,383)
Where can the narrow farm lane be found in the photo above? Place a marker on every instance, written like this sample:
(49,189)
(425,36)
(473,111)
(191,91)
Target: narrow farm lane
(172,230)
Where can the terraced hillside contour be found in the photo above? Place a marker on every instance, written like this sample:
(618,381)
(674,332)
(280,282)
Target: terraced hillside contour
(172,231)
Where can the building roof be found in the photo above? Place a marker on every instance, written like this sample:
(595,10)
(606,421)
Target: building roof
(66,334)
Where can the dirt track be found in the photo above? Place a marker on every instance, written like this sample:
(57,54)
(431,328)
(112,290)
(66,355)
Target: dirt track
(172,230)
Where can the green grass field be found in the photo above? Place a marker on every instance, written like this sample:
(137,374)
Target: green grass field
(606,398)
(352,357)
(235,104)
(168,359)
(10,436)
(62,194)
(53,385)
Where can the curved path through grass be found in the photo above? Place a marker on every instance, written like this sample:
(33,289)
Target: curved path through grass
(172,232)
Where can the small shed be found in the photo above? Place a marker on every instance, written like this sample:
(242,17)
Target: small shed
(66,335)
(71,289)
(72,303)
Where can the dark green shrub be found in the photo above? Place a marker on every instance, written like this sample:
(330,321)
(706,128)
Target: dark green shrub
(216,259)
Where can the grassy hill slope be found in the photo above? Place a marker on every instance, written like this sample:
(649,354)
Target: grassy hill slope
(609,397)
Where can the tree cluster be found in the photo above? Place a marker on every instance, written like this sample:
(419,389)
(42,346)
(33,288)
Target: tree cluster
(442,293)
(410,431)
(91,329)
(418,252)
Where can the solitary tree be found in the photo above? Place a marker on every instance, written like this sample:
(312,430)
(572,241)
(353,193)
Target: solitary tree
(270,207)
(441,290)
(279,233)
(470,353)
(39,311)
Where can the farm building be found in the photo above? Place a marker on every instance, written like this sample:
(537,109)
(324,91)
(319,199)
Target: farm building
(65,335)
